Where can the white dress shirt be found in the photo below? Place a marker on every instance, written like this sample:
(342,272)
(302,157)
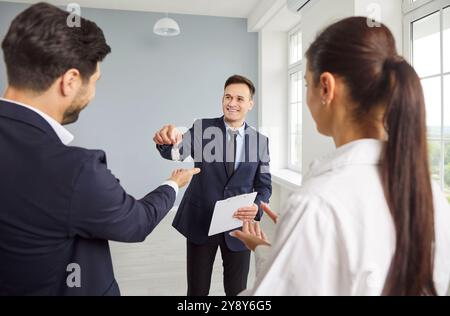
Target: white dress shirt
(336,235)
(66,137)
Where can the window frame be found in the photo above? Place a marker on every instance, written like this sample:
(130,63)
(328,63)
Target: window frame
(292,69)
(412,13)
(410,5)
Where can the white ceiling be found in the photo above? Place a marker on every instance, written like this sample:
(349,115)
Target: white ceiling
(226,8)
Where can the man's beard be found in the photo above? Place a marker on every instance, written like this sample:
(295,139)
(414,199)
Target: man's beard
(73,111)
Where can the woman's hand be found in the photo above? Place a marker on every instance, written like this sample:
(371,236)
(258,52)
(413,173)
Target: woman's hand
(251,235)
(273,215)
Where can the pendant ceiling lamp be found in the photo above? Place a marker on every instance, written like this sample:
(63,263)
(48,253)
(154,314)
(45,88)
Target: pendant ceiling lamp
(166,27)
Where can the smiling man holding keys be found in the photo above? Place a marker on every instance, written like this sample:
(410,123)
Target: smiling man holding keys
(234,159)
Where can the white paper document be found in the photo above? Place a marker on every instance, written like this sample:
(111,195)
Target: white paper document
(222,220)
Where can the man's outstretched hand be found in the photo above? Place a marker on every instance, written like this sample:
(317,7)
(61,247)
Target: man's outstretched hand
(183,176)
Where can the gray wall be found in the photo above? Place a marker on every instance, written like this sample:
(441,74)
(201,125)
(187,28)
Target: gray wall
(149,81)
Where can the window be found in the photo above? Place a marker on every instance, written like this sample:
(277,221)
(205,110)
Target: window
(295,81)
(427,30)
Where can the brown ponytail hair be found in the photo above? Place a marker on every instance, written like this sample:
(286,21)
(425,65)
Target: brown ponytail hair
(366,58)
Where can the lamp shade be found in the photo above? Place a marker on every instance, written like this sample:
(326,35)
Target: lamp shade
(166,27)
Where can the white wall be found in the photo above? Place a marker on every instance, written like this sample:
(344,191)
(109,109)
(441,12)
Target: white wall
(273,54)
(273,80)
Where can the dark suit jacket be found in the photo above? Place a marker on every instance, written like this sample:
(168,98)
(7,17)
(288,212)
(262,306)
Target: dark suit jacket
(213,183)
(60,205)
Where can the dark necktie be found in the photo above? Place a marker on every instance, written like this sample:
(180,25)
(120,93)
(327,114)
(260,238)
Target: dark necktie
(231,152)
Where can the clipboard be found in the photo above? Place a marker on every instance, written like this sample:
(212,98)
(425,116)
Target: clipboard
(222,220)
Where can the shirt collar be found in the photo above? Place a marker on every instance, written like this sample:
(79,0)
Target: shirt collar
(63,134)
(360,152)
(240,131)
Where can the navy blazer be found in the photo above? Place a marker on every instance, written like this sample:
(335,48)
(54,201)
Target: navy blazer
(195,212)
(60,205)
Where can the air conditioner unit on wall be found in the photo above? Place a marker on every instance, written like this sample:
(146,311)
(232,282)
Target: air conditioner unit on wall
(297,5)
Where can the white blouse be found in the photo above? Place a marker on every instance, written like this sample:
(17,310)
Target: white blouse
(336,235)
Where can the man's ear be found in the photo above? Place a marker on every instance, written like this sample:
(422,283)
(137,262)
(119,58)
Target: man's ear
(327,87)
(70,82)
(252,104)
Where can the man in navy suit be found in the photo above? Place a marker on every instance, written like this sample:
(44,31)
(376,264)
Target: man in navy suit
(60,205)
(234,159)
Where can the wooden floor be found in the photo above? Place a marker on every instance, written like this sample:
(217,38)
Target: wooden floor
(158,265)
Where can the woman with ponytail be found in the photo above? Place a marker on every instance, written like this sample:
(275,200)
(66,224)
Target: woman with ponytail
(368,220)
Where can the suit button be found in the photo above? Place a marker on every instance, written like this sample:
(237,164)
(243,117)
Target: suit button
(226,188)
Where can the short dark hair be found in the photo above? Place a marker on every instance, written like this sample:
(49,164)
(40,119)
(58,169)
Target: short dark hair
(238,79)
(40,47)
